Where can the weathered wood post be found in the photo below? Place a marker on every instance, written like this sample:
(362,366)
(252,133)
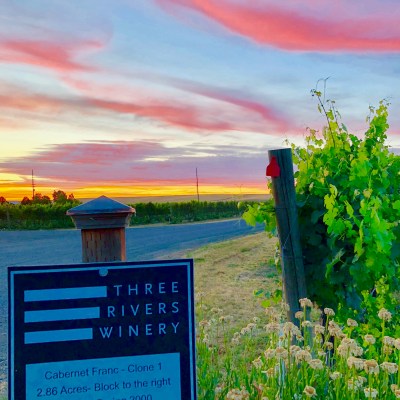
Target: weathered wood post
(280,170)
(102,222)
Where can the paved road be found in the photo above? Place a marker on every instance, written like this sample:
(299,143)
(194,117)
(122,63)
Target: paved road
(64,246)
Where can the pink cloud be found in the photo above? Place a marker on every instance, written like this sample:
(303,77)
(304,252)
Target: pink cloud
(96,162)
(22,108)
(236,98)
(304,26)
(226,110)
(59,57)
(25,101)
(142,162)
(190,115)
(11,124)
(186,116)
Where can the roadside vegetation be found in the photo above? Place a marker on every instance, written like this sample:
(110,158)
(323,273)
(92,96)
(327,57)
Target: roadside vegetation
(191,211)
(51,214)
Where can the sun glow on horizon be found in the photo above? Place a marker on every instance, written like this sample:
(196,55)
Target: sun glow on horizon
(18,192)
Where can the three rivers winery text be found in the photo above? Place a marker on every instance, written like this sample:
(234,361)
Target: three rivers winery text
(134,310)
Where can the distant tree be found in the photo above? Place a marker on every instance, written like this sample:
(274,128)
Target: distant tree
(25,201)
(59,196)
(71,197)
(3,200)
(40,199)
(46,200)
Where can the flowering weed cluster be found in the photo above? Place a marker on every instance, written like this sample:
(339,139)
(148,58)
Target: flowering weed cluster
(318,358)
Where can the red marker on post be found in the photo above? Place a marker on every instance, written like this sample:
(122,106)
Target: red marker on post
(273,169)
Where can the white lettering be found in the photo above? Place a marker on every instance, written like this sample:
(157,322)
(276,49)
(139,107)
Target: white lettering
(106,331)
(149,310)
(117,287)
(135,310)
(133,330)
(148,288)
(110,311)
(161,329)
(133,289)
(175,308)
(148,329)
(175,326)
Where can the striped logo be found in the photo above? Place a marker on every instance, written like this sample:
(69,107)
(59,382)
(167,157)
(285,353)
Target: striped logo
(61,314)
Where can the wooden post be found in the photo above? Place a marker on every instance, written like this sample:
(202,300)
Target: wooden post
(283,190)
(102,222)
(106,244)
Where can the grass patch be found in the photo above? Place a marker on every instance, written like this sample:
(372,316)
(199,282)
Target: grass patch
(258,355)
(228,276)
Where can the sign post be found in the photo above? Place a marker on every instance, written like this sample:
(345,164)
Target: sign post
(102,331)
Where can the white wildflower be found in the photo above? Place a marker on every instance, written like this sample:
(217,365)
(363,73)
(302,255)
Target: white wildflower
(305,303)
(384,314)
(370,393)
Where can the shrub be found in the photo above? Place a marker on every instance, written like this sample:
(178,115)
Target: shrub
(348,194)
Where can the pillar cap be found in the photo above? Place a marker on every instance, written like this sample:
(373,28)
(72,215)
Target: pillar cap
(101,213)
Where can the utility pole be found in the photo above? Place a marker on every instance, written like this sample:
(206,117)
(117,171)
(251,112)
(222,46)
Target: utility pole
(197,185)
(33,187)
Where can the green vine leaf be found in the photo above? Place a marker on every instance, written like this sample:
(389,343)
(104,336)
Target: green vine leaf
(348,196)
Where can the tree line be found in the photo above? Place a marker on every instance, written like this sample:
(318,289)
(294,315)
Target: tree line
(41,212)
(59,197)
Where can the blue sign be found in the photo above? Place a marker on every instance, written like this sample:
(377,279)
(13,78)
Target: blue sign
(102,331)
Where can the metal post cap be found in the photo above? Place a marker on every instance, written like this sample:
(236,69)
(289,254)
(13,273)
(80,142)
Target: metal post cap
(101,213)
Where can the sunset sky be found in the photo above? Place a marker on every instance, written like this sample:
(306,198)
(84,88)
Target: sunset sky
(129,97)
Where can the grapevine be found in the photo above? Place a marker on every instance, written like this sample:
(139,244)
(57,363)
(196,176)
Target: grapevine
(348,195)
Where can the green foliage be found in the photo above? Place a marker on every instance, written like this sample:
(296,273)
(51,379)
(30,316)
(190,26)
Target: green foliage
(35,216)
(59,196)
(173,213)
(38,198)
(348,194)
(348,189)
(47,215)
(261,213)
